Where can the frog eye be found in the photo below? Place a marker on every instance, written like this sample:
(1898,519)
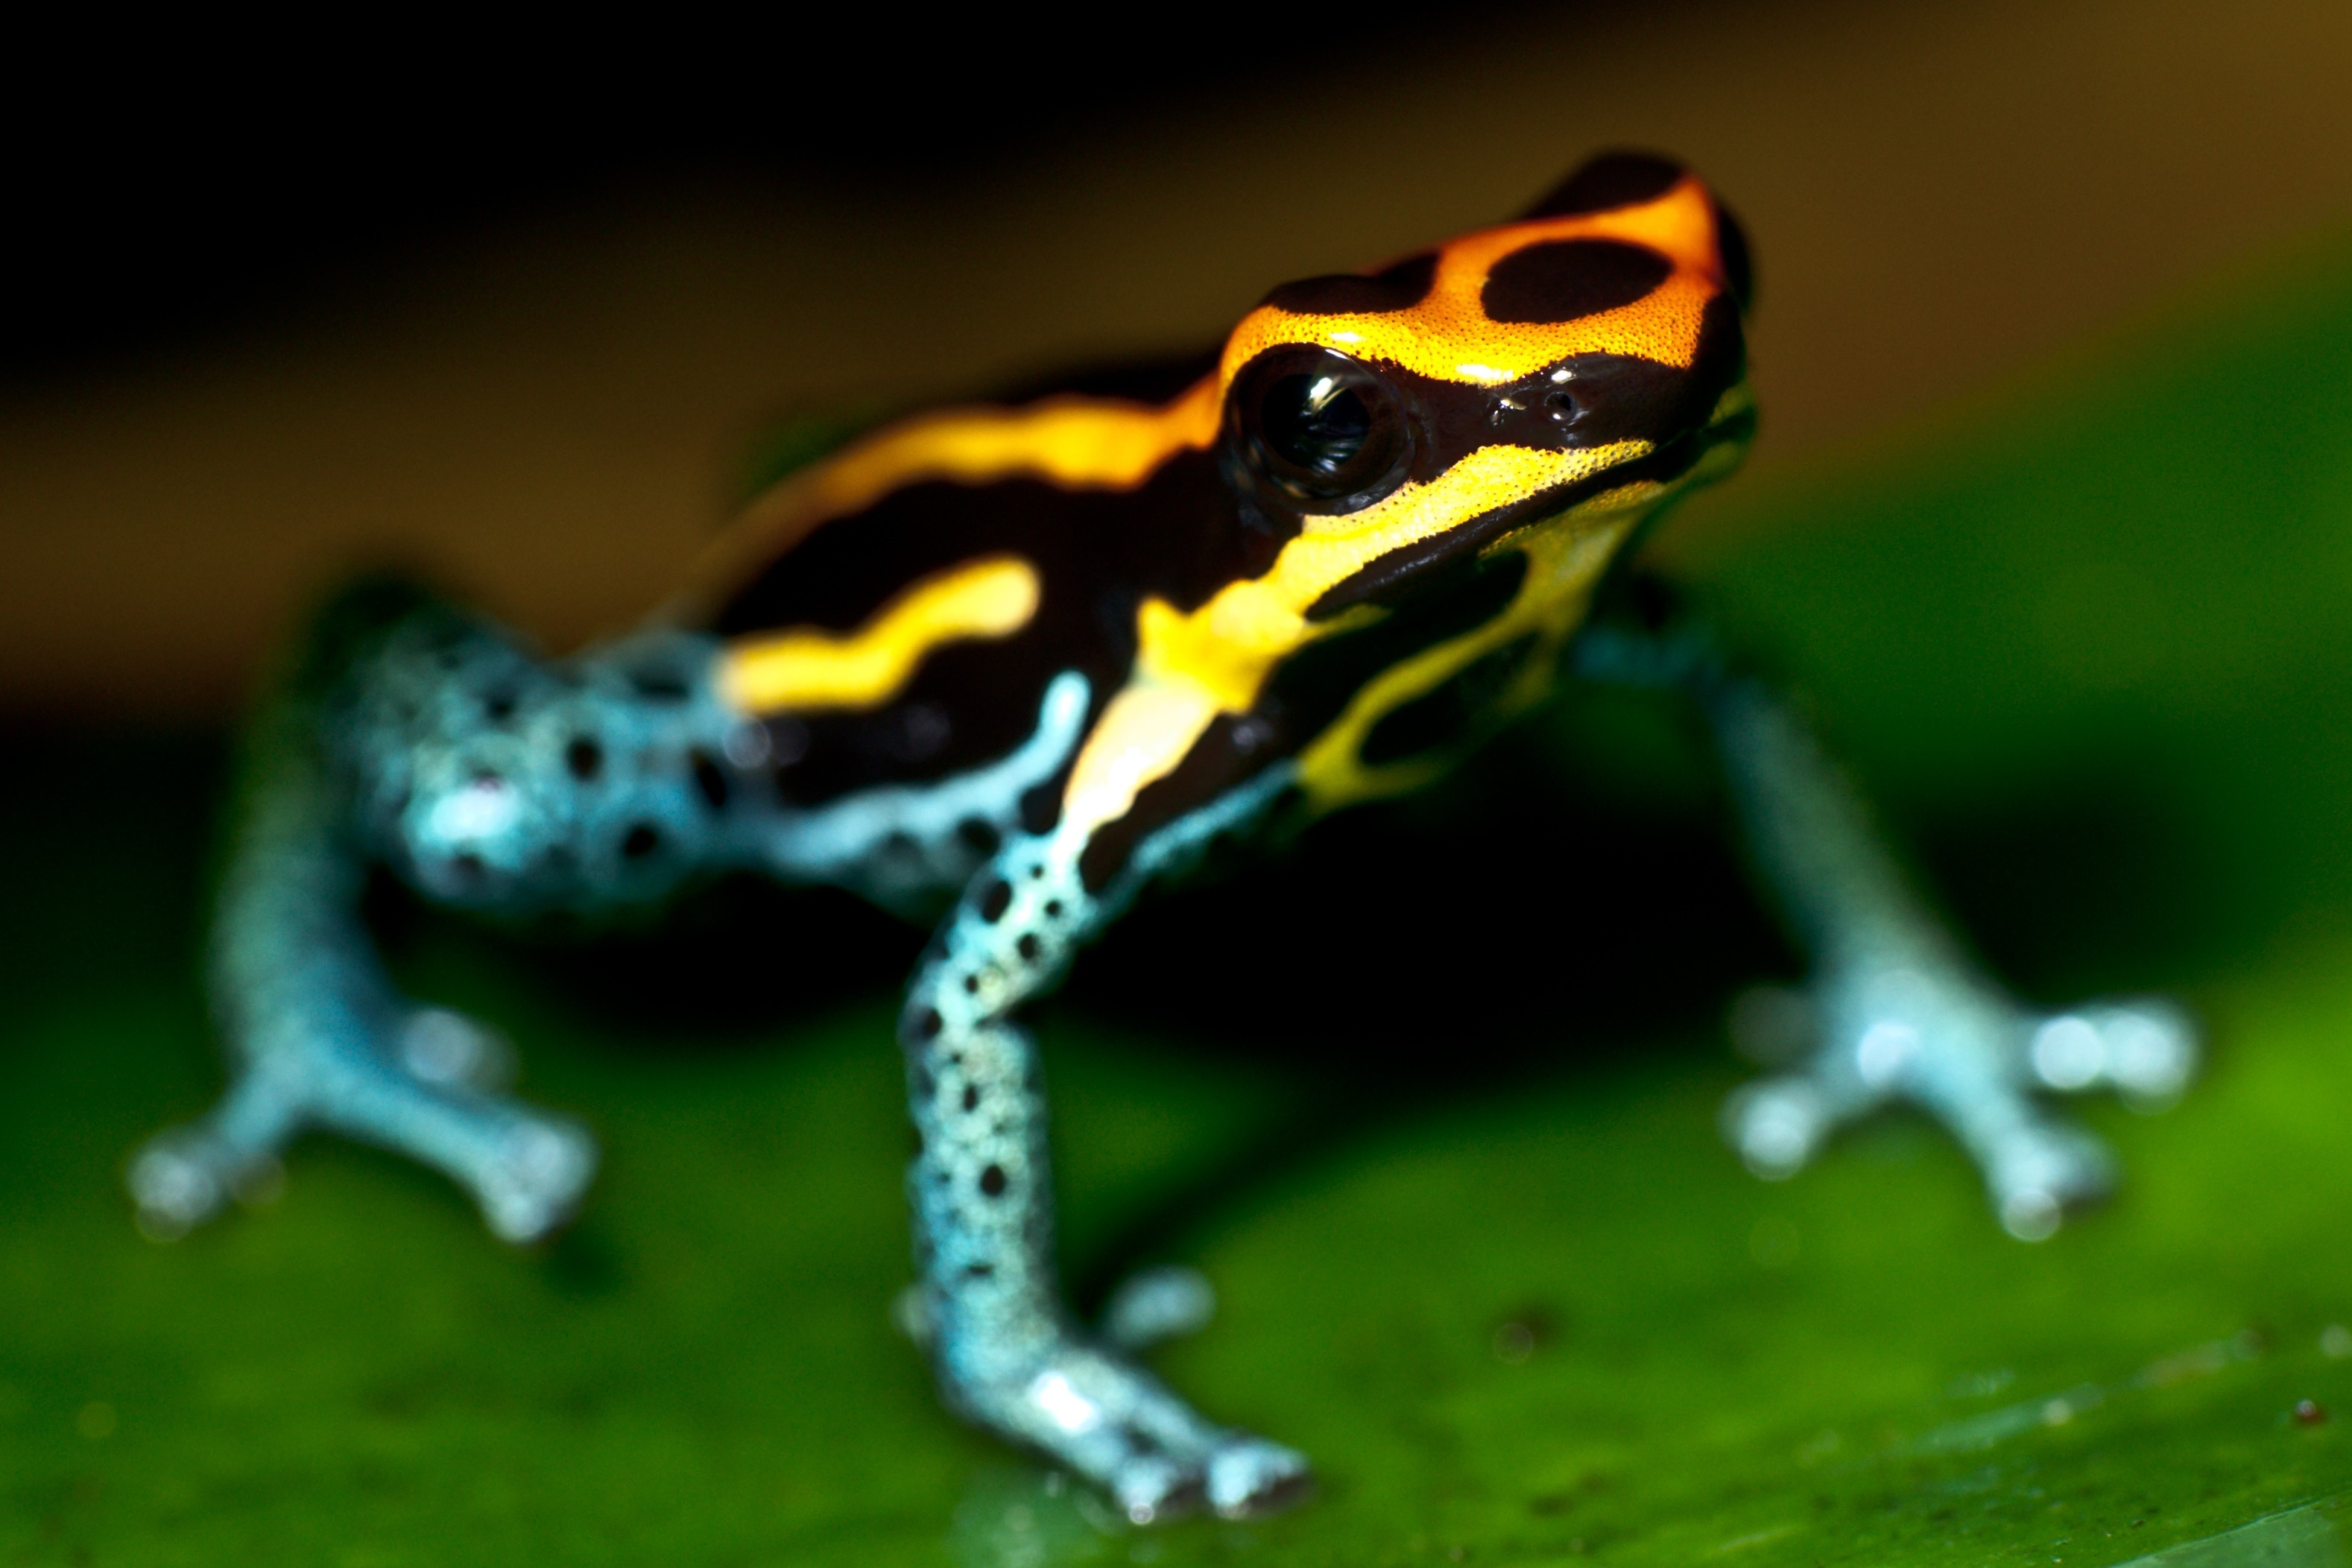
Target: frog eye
(1325,432)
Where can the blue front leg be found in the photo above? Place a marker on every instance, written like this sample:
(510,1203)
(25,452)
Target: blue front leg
(1894,1009)
(1007,1354)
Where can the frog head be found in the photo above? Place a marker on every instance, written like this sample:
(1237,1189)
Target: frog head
(1579,365)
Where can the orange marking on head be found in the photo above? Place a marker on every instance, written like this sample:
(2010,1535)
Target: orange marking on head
(1448,335)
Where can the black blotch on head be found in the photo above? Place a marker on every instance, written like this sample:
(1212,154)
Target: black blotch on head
(977,836)
(585,758)
(993,1181)
(1397,286)
(1028,947)
(1739,268)
(994,899)
(640,841)
(972,1097)
(1562,279)
(710,778)
(1610,180)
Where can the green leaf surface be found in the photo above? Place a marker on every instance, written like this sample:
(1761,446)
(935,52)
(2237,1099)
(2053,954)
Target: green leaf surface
(1430,1099)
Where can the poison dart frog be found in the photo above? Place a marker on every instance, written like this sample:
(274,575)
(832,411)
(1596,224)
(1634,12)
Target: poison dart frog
(1002,666)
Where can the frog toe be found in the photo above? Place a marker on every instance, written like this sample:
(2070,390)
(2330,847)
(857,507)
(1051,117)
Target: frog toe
(1152,1488)
(178,1181)
(1777,1124)
(1152,1306)
(2044,1171)
(2144,1049)
(1248,1476)
(534,1181)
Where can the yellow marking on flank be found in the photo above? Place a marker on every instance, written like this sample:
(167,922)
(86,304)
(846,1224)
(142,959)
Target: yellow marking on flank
(1191,666)
(804,668)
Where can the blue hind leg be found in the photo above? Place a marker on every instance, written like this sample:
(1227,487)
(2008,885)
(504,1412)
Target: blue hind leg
(317,1036)
(428,742)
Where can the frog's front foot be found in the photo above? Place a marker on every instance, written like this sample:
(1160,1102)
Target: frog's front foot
(1968,1056)
(432,1095)
(1089,1408)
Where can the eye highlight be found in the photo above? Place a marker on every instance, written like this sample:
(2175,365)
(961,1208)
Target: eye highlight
(1325,433)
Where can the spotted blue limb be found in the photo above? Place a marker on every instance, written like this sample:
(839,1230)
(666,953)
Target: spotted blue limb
(1007,1352)
(418,739)
(1894,1009)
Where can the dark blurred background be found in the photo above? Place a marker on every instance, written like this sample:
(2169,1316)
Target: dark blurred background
(518,310)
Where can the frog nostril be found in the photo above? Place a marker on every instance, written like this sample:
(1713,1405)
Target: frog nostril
(1564,407)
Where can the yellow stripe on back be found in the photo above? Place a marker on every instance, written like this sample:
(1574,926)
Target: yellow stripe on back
(803,669)
(1077,443)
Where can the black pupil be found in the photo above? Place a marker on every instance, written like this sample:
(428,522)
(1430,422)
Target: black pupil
(1316,423)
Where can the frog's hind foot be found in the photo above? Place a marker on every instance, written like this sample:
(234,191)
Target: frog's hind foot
(1968,1057)
(1088,1408)
(431,1096)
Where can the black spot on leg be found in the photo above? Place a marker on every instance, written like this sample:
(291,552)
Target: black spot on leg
(640,841)
(972,984)
(979,836)
(980,1270)
(1029,947)
(1562,279)
(1053,909)
(583,759)
(992,1182)
(994,899)
(972,1097)
(928,1023)
(710,778)
(498,704)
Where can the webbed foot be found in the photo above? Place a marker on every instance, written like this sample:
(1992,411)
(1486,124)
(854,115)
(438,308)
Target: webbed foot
(1969,1056)
(432,1097)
